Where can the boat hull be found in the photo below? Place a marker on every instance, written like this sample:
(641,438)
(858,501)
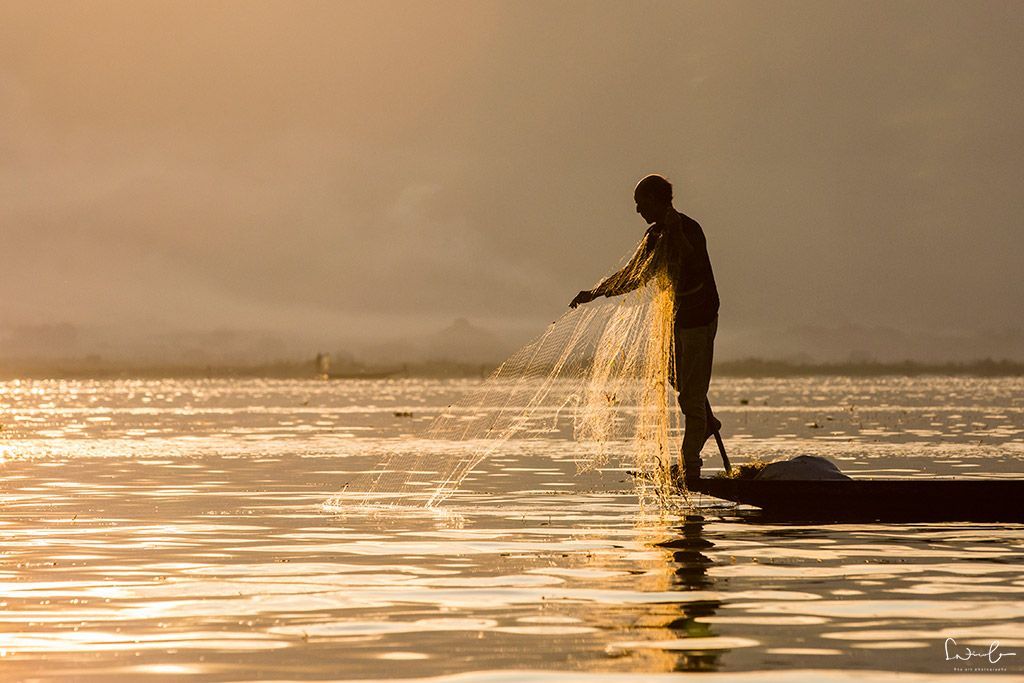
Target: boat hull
(993,500)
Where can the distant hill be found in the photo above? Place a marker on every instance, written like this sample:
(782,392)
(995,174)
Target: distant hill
(462,348)
(464,342)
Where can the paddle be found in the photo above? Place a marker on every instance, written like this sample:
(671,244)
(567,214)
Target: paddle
(716,431)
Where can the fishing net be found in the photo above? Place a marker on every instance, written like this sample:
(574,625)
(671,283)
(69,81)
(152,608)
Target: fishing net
(600,375)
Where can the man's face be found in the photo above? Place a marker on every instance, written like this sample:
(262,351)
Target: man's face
(649,208)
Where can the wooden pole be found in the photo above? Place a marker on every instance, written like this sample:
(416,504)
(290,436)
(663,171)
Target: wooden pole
(718,437)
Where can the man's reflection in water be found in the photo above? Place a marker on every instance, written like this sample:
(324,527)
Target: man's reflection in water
(691,570)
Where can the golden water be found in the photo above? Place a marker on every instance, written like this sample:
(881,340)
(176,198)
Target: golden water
(177,530)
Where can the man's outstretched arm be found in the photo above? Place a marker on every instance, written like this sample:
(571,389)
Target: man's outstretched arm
(631,276)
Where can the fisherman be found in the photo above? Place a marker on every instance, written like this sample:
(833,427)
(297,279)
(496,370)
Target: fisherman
(677,241)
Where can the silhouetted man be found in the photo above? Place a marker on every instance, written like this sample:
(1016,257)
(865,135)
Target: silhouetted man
(677,241)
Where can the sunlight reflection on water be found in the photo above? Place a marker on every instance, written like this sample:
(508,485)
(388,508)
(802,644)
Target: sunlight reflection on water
(178,528)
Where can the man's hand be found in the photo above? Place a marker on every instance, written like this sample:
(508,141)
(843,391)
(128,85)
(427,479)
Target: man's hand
(584,297)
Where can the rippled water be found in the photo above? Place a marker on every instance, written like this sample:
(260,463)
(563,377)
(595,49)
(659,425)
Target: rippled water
(176,529)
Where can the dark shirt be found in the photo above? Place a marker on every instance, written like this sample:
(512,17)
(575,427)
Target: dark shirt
(684,249)
(681,248)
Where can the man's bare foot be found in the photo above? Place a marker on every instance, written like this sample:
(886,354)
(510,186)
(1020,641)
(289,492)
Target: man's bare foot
(690,475)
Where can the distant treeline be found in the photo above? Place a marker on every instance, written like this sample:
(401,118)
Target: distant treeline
(760,367)
(93,368)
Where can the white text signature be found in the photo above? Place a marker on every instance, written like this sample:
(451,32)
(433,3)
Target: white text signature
(965,653)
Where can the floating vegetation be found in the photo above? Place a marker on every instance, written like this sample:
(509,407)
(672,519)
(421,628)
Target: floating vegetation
(747,470)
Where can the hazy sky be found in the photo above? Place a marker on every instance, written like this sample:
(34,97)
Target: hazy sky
(346,169)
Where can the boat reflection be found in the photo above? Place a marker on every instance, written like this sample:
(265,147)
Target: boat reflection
(690,567)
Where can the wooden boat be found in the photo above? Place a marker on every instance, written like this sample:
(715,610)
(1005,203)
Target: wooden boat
(932,500)
(988,500)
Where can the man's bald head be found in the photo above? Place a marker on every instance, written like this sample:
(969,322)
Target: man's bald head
(656,187)
(653,195)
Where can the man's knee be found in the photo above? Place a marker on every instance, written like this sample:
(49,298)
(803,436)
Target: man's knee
(693,407)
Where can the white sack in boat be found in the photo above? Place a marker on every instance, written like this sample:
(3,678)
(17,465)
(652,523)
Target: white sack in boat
(801,468)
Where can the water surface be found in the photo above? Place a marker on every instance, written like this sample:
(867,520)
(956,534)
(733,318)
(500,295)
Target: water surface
(177,529)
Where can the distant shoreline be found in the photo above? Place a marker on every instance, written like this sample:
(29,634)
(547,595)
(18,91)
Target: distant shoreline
(750,367)
(757,367)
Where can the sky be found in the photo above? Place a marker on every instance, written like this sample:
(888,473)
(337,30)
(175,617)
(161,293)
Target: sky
(318,173)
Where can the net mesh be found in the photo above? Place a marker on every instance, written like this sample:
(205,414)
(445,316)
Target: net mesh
(601,370)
